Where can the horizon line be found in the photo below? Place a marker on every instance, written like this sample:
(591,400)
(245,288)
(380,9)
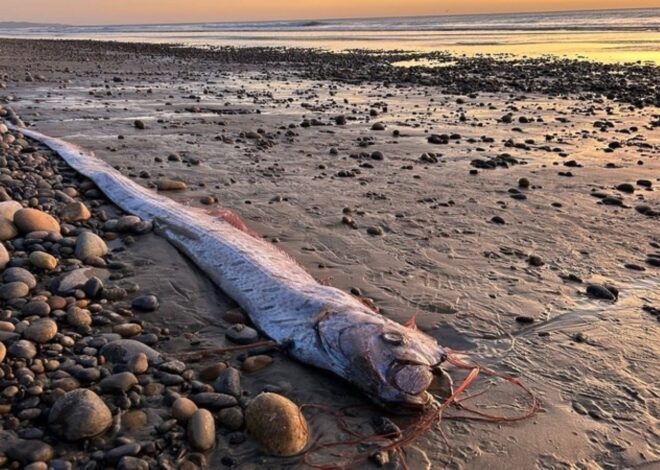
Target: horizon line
(448,15)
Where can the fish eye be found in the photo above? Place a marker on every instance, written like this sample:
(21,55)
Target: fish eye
(392,338)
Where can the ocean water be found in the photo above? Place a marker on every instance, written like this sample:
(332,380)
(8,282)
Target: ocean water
(606,35)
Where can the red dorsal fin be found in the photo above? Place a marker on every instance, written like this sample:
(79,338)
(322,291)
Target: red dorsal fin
(412,323)
(234,220)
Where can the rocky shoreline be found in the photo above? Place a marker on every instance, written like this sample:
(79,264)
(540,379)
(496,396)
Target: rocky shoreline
(511,206)
(78,368)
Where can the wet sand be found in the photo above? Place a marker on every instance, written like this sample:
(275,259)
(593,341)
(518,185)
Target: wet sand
(423,228)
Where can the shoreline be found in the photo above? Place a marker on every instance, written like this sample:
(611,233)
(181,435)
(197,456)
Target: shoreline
(429,216)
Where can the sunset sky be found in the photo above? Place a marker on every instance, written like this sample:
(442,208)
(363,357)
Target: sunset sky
(178,11)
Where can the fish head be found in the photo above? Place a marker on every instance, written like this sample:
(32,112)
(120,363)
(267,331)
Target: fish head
(392,363)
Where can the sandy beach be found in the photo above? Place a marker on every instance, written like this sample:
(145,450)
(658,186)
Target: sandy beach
(511,207)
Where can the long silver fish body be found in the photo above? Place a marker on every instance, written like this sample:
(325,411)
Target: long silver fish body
(318,325)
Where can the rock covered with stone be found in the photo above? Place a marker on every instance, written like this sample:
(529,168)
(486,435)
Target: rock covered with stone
(79,414)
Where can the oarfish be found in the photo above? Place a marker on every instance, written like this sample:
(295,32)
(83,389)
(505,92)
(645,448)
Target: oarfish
(316,324)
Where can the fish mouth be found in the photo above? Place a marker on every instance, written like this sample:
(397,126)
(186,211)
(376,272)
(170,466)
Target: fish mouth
(411,380)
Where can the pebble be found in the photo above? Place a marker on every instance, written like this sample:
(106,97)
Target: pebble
(41,331)
(139,363)
(127,330)
(23,349)
(9,208)
(231,418)
(242,334)
(33,220)
(27,451)
(3,351)
(229,382)
(535,261)
(123,350)
(116,454)
(4,256)
(171,185)
(79,414)
(121,382)
(277,424)
(145,303)
(36,307)
(133,463)
(19,275)
(75,212)
(43,260)
(7,230)
(210,373)
(78,317)
(93,287)
(183,409)
(596,291)
(89,244)
(375,231)
(201,430)
(14,290)
(214,401)
(255,363)
(139,124)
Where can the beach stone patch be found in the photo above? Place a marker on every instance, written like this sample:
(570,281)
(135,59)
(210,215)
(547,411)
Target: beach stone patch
(277,424)
(33,220)
(79,414)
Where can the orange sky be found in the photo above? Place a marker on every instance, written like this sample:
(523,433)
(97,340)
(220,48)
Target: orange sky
(181,11)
